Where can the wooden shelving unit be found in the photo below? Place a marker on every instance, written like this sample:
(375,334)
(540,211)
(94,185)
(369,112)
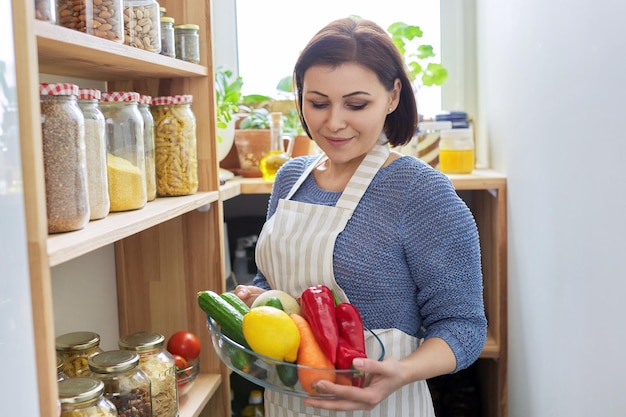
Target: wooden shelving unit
(485,193)
(166,252)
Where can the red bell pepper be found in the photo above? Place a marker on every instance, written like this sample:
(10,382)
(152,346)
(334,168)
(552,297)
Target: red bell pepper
(345,355)
(350,324)
(318,308)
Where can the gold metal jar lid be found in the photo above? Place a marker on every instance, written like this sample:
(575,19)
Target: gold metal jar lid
(113,361)
(78,390)
(77,341)
(141,341)
(187,26)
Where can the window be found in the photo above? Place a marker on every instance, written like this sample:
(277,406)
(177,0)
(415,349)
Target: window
(271,33)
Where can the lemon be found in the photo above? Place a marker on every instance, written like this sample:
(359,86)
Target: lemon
(271,332)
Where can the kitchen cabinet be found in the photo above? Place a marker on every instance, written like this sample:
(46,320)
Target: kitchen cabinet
(485,193)
(165,252)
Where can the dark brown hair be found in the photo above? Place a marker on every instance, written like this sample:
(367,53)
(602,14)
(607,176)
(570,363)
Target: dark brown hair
(363,42)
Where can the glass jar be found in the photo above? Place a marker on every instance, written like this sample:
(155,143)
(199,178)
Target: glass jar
(63,140)
(125,385)
(75,349)
(45,10)
(148,145)
(167,37)
(456,151)
(125,152)
(60,374)
(175,138)
(187,43)
(83,397)
(142,27)
(160,367)
(95,150)
(102,18)
(427,144)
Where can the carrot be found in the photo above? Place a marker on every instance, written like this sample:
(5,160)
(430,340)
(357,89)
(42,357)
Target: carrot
(310,354)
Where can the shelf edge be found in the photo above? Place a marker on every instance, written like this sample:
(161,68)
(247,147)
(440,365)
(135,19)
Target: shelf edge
(203,389)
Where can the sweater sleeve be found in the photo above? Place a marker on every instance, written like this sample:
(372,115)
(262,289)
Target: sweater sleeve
(443,253)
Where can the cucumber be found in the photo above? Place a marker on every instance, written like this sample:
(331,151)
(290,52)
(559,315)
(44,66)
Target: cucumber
(227,316)
(288,374)
(239,359)
(235,301)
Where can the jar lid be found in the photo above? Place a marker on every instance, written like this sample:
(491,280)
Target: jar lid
(89,94)
(424,126)
(167,19)
(77,341)
(113,361)
(141,341)
(58,89)
(189,26)
(78,390)
(186,98)
(457,133)
(120,96)
(143,99)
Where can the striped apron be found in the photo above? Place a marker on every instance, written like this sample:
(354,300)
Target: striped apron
(295,251)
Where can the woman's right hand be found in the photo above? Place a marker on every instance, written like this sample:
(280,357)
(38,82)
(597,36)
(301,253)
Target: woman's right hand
(248,293)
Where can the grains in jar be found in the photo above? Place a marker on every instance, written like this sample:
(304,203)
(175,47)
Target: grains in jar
(160,367)
(142,26)
(125,151)
(45,10)
(125,384)
(167,37)
(95,149)
(175,139)
(148,145)
(187,43)
(63,139)
(102,18)
(75,349)
(83,397)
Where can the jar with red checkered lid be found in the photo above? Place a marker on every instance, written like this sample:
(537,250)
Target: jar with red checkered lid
(175,138)
(148,144)
(96,151)
(126,164)
(63,140)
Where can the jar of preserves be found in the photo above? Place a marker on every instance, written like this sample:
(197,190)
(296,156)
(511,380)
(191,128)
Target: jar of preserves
(75,349)
(125,152)
(63,139)
(428,137)
(160,367)
(95,150)
(125,384)
(102,18)
(45,10)
(175,137)
(60,374)
(167,37)
(187,43)
(83,397)
(456,151)
(142,27)
(148,145)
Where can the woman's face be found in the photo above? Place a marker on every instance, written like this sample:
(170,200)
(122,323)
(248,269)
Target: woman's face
(345,109)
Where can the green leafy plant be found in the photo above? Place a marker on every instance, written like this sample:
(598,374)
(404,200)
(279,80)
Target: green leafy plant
(227,97)
(418,57)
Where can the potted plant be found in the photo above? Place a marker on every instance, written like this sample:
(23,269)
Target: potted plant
(227,99)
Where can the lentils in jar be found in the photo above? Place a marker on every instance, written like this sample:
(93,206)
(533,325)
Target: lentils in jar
(101,18)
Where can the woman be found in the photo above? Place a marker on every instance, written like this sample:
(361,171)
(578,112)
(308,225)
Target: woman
(386,231)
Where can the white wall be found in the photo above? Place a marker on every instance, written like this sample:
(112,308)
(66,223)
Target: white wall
(551,89)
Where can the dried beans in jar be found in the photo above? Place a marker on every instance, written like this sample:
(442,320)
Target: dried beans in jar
(142,25)
(45,10)
(63,138)
(102,18)
(95,148)
(175,138)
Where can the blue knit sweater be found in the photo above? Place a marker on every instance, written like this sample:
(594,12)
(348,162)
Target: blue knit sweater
(409,258)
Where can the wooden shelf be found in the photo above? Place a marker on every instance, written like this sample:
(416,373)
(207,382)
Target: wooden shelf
(71,53)
(66,246)
(192,403)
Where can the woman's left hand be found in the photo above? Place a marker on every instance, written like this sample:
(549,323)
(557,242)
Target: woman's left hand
(386,377)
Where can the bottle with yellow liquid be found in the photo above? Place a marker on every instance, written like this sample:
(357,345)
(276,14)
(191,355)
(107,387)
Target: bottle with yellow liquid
(456,151)
(277,156)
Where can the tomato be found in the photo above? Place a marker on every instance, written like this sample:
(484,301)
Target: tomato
(181,363)
(185,344)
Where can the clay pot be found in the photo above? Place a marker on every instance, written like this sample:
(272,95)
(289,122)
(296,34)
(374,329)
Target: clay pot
(252,145)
